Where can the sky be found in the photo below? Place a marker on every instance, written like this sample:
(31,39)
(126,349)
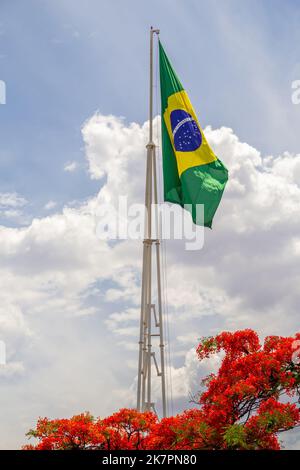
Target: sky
(73,134)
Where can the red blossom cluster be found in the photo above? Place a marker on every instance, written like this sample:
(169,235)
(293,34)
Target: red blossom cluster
(126,429)
(253,397)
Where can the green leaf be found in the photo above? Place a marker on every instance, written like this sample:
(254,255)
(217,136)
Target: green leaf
(235,437)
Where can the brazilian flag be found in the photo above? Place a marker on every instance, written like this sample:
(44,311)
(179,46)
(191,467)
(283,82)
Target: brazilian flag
(192,172)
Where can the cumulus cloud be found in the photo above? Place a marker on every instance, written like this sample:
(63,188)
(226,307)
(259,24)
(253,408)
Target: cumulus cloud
(255,228)
(72,301)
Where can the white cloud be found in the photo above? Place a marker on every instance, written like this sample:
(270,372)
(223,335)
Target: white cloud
(71,166)
(251,231)
(11,200)
(11,207)
(50,205)
(12,214)
(11,370)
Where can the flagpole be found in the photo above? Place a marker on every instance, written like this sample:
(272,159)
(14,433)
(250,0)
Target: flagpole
(148,309)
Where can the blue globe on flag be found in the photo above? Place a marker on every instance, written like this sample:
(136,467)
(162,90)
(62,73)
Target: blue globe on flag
(186,133)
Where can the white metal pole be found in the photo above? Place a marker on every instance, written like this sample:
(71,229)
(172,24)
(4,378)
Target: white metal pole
(144,400)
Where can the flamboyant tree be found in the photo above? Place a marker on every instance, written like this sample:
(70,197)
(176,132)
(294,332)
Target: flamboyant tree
(253,397)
